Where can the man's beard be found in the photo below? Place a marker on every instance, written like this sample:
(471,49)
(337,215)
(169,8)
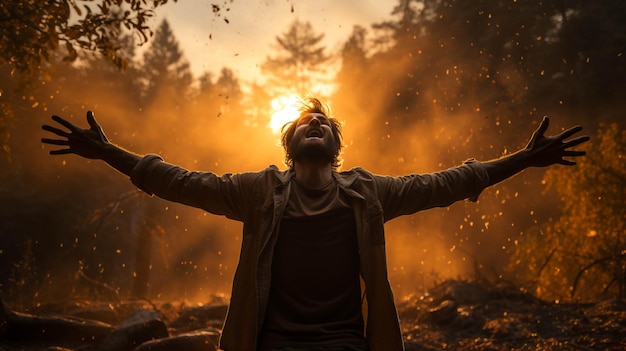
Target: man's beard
(306,152)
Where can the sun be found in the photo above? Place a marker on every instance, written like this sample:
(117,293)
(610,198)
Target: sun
(285,109)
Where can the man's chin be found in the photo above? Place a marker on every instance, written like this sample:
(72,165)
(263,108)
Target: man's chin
(319,159)
(312,151)
(313,155)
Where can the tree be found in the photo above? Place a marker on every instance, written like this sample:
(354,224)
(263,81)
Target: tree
(97,81)
(354,51)
(34,35)
(219,98)
(165,70)
(582,254)
(31,30)
(299,65)
(588,54)
(228,85)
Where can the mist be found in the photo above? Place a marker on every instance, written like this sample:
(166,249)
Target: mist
(77,228)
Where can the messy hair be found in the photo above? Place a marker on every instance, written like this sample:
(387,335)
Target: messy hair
(306,106)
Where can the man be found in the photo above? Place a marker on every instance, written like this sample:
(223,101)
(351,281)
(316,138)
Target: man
(312,272)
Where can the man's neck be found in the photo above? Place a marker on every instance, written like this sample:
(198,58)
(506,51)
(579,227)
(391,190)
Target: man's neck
(313,175)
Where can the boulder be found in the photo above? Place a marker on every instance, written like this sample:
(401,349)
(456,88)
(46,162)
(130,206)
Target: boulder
(17,327)
(142,326)
(199,340)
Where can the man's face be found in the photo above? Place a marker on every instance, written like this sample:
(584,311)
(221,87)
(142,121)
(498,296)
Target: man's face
(313,139)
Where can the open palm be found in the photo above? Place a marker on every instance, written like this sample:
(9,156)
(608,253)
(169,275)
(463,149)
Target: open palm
(88,143)
(549,150)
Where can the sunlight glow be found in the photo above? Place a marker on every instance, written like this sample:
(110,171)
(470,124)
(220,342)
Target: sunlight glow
(285,109)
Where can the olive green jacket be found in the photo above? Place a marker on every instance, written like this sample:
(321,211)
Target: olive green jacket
(258,199)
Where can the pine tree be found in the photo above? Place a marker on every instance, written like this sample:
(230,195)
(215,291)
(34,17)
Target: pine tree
(166,72)
(299,65)
(122,86)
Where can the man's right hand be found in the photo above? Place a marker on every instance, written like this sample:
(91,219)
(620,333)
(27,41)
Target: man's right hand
(89,143)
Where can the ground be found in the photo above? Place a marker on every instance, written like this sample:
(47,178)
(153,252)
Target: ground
(455,315)
(473,316)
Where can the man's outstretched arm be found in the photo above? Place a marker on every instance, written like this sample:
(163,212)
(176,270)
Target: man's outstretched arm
(90,143)
(541,151)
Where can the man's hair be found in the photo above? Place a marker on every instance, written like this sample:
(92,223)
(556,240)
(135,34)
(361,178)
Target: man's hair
(306,106)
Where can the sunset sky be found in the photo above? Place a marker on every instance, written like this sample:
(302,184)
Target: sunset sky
(241,34)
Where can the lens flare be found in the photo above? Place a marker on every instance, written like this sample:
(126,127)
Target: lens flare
(285,109)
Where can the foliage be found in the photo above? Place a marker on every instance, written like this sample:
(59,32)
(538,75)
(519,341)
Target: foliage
(34,34)
(591,42)
(582,254)
(299,65)
(499,58)
(31,30)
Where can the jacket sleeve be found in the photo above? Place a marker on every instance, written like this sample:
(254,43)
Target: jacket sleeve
(412,193)
(222,195)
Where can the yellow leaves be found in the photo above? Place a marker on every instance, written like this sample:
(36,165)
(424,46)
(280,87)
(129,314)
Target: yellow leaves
(593,218)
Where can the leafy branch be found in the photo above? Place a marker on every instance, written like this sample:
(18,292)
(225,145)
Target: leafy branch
(30,31)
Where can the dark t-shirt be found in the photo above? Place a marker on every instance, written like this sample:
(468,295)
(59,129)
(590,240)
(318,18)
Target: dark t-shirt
(315,294)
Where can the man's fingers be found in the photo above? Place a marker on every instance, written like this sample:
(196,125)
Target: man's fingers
(65,123)
(54,130)
(576,141)
(569,132)
(567,163)
(92,121)
(574,153)
(61,152)
(545,122)
(54,141)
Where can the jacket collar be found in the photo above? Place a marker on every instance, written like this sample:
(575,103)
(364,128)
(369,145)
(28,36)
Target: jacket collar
(283,176)
(345,179)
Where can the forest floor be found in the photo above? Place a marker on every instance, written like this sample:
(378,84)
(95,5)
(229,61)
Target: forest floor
(471,316)
(455,315)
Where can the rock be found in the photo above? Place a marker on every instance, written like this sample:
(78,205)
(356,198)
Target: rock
(16,326)
(199,340)
(105,313)
(195,318)
(444,313)
(142,326)
(463,293)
